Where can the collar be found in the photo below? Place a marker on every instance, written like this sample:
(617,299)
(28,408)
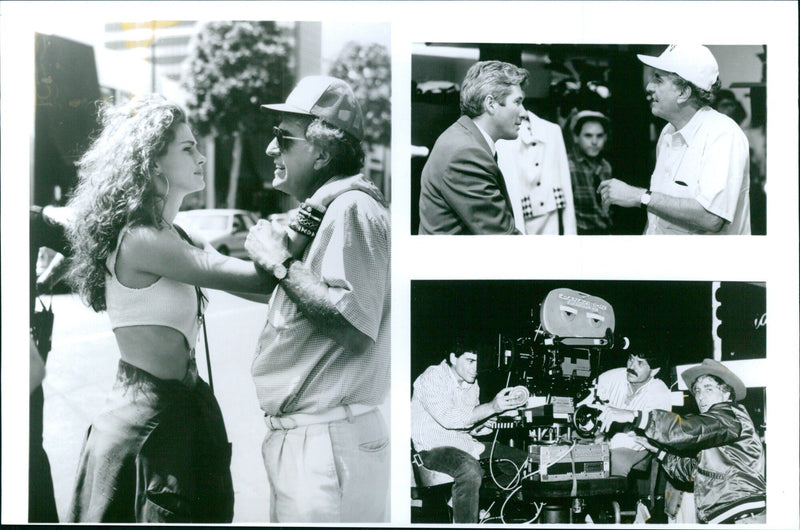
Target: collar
(359,182)
(689,131)
(531,131)
(643,385)
(486,137)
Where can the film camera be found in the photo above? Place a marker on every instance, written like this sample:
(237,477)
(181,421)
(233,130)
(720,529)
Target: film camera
(557,364)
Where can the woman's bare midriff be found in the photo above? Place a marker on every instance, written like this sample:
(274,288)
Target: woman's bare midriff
(158,350)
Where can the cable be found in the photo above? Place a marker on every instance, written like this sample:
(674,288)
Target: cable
(515,480)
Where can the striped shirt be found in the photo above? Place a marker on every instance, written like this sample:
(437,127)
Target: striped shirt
(441,407)
(298,367)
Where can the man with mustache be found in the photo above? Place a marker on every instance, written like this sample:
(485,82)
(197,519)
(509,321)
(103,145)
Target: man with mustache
(463,191)
(632,388)
(701,181)
(718,450)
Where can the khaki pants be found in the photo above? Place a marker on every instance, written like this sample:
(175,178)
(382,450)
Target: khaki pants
(329,472)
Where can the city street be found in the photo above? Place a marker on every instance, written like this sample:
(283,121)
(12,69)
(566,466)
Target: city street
(82,366)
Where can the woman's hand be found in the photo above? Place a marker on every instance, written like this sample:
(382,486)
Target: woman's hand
(267,244)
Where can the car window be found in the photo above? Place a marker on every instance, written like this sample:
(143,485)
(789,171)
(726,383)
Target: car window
(210,222)
(238,223)
(248,221)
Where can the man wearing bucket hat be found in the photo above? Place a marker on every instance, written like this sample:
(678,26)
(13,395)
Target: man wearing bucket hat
(718,449)
(588,169)
(462,190)
(322,360)
(701,181)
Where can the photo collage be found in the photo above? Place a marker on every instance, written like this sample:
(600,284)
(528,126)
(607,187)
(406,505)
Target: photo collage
(248,304)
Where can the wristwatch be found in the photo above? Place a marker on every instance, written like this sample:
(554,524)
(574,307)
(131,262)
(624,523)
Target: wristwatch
(282,269)
(644,200)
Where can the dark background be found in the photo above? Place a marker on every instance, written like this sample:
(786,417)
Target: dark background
(634,130)
(674,318)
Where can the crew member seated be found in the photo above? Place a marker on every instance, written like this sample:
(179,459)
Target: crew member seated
(634,388)
(446,415)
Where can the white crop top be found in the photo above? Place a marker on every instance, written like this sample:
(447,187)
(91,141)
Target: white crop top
(165,302)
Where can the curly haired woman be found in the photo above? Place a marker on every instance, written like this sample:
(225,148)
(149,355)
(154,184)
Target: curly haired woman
(158,451)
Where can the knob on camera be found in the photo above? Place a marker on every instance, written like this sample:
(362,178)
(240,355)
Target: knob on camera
(585,420)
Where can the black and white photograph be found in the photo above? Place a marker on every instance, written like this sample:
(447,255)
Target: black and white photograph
(588,139)
(588,401)
(210,186)
(235,316)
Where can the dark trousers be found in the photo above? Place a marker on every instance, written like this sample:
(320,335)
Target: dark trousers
(467,474)
(41,499)
(157,453)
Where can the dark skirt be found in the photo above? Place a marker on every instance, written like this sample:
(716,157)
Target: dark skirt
(158,452)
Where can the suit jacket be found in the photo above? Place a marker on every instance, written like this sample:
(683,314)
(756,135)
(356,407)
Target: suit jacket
(463,190)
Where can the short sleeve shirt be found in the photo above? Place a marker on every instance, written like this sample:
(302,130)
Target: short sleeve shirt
(297,367)
(613,386)
(707,160)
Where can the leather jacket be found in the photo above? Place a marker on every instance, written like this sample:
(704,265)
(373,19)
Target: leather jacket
(720,452)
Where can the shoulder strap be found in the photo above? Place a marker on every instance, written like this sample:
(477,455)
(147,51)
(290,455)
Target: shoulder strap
(200,299)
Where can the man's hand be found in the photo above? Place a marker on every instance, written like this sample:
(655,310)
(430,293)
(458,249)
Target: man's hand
(504,400)
(644,442)
(267,244)
(610,415)
(614,191)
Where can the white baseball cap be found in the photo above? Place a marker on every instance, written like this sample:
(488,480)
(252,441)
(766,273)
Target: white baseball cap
(694,63)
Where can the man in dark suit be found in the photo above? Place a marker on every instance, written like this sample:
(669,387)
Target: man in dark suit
(463,191)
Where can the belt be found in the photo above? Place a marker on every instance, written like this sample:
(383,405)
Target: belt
(291,421)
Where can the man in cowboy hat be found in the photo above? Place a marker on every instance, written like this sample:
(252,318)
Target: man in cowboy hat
(701,181)
(717,449)
(322,361)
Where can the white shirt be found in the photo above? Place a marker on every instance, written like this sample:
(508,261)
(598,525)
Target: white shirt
(486,137)
(441,408)
(534,165)
(298,367)
(707,160)
(613,386)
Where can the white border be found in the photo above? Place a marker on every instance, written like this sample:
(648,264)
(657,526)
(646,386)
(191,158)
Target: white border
(773,258)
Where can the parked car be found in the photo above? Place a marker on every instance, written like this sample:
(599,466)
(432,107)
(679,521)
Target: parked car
(224,229)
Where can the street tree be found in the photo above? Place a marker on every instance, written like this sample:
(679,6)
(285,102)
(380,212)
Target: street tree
(367,68)
(234,67)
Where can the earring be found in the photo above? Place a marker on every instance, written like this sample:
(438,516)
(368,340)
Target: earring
(160,174)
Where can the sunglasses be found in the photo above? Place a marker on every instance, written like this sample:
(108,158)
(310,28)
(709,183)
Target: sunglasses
(282,136)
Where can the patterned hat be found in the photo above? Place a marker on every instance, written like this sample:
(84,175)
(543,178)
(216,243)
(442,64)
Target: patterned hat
(327,98)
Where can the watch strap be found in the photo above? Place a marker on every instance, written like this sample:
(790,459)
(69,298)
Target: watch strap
(644,200)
